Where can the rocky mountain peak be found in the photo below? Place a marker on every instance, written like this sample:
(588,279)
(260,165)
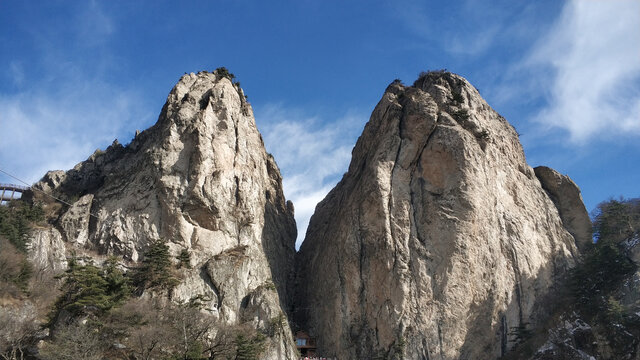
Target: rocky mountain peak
(200,180)
(438,240)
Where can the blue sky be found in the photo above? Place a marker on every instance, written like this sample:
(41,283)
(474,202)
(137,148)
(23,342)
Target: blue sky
(75,75)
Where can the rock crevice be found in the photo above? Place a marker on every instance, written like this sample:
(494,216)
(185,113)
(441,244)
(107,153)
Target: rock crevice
(436,223)
(201,180)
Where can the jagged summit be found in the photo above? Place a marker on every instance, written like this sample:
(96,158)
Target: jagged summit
(438,240)
(201,180)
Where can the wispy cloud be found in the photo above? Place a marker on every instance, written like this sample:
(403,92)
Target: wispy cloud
(590,62)
(55,130)
(16,73)
(467,28)
(55,121)
(473,44)
(312,153)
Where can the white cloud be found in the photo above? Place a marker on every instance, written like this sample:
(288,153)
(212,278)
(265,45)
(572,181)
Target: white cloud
(93,24)
(590,61)
(312,154)
(45,130)
(16,73)
(474,43)
(58,119)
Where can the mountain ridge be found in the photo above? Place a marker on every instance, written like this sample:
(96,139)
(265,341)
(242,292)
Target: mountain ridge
(440,241)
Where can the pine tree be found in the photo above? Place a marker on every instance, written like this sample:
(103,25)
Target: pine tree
(84,289)
(88,289)
(16,220)
(155,271)
(184,259)
(248,348)
(117,283)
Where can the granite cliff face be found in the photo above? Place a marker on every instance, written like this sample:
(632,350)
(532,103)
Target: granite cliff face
(439,240)
(566,195)
(200,179)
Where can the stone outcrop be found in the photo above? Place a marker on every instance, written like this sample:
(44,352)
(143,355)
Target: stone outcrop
(566,195)
(573,340)
(47,251)
(438,241)
(201,180)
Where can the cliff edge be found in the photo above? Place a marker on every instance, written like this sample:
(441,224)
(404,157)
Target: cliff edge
(438,241)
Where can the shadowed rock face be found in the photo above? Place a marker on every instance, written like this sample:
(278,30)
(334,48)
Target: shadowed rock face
(437,241)
(566,195)
(200,178)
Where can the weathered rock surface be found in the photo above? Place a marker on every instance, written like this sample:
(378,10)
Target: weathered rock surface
(601,318)
(574,340)
(200,179)
(437,241)
(566,195)
(47,251)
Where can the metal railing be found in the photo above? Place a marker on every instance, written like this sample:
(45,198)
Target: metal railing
(6,188)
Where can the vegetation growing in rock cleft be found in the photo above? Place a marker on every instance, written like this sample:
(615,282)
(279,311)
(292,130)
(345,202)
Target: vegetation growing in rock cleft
(595,287)
(156,271)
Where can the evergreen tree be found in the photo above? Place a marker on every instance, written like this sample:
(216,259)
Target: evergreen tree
(15,222)
(617,220)
(155,271)
(605,265)
(249,348)
(84,289)
(117,283)
(88,289)
(184,259)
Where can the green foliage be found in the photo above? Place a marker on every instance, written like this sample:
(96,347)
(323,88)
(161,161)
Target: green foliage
(457,97)
(249,347)
(117,282)
(277,324)
(594,286)
(151,329)
(88,289)
(398,348)
(223,72)
(198,301)
(616,221)
(615,312)
(600,273)
(155,271)
(16,220)
(269,285)
(605,265)
(184,259)
(193,352)
(432,72)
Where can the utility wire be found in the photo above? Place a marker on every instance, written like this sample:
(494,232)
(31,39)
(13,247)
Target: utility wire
(38,190)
